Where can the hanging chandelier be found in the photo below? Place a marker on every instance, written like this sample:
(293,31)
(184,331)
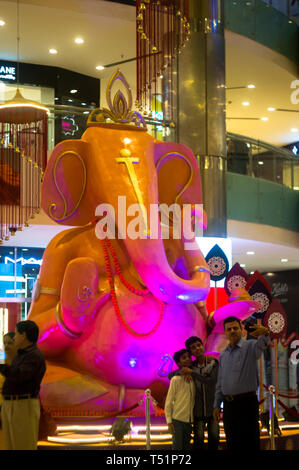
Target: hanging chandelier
(23,158)
(162,31)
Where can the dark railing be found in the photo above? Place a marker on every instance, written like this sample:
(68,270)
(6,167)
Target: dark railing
(262,160)
(245,155)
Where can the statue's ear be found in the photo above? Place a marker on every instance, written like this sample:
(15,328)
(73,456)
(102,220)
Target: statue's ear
(178,174)
(64,190)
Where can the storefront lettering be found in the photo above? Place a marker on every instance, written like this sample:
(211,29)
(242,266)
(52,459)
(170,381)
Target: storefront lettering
(7,73)
(23,261)
(279,288)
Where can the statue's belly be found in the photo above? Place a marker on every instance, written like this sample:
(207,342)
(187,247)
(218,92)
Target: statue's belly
(109,351)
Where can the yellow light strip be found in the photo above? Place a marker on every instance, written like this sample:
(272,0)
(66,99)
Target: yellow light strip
(134,436)
(83,428)
(78,441)
(79,427)
(3,106)
(288,426)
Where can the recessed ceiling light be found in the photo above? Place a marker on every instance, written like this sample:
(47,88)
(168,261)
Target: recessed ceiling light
(271,109)
(270,274)
(2,23)
(56,99)
(251,86)
(53,51)
(79,41)
(85,112)
(294,129)
(73,91)
(83,104)
(70,101)
(250,253)
(260,162)
(243,265)
(284,260)
(246,103)
(100,67)
(251,272)
(265,118)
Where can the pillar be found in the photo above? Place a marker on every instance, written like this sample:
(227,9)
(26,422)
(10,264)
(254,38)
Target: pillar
(201,106)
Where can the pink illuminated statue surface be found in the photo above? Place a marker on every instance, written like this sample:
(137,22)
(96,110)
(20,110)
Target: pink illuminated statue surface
(112,311)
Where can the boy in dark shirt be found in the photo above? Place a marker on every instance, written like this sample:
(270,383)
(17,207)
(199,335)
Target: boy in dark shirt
(205,372)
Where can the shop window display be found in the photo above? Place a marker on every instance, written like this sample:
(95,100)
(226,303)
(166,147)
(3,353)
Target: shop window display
(19,268)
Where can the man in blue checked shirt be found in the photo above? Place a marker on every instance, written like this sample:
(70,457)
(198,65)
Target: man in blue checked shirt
(237,384)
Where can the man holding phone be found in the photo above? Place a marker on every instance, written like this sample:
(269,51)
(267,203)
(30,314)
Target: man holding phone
(237,384)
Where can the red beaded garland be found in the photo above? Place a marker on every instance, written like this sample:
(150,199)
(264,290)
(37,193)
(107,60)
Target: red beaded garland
(107,245)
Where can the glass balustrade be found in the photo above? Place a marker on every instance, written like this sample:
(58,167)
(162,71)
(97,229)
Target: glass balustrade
(245,155)
(262,160)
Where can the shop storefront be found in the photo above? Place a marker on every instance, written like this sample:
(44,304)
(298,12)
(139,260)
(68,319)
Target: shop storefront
(68,95)
(19,268)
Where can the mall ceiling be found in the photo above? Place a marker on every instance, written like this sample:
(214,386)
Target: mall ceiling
(108,31)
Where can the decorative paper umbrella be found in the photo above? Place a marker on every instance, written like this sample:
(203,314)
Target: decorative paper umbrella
(236,278)
(162,31)
(260,291)
(275,320)
(23,157)
(218,264)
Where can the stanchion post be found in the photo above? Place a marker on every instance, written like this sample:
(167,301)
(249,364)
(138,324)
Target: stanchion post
(261,389)
(272,414)
(276,374)
(148,418)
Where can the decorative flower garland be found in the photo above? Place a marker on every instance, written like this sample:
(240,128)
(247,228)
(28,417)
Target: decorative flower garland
(107,246)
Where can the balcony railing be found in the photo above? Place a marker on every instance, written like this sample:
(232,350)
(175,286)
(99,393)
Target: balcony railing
(245,155)
(260,159)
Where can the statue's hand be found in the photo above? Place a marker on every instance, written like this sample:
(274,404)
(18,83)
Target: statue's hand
(80,299)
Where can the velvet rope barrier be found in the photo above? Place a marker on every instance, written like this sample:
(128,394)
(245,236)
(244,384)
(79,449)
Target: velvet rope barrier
(282,395)
(262,401)
(289,410)
(288,396)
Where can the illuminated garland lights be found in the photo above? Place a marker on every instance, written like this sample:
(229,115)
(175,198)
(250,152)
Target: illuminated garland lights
(162,31)
(18,169)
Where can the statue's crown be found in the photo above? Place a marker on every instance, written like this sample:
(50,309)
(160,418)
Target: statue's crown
(120,109)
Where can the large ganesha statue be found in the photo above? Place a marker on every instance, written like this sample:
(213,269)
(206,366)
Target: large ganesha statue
(111,311)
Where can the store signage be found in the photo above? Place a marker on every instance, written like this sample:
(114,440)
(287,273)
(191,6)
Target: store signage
(23,261)
(294,148)
(279,288)
(8,72)
(69,126)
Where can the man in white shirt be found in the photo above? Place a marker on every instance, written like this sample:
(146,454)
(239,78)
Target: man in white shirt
(180,403)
